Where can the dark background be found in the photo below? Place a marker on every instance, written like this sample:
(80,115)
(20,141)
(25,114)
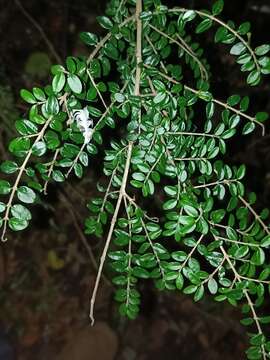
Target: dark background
(46,274)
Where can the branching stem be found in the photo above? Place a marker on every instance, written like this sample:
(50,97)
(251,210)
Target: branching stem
(127,164)
(222,23)
(250,303)
(257,217)
(185,47)
(110,233)
(18,179)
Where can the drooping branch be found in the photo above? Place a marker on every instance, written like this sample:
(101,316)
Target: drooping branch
(127,164)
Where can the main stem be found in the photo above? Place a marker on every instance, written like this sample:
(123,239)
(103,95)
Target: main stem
(138,48)
(110,233)
(122,191)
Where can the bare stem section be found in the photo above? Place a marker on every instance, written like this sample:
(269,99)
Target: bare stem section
(110,233)
(122,191)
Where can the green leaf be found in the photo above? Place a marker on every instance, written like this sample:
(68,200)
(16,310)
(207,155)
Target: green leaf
(258,257)
(179,256)
(192,211)
(71,64)
(39,148)
(111,51)
(52,140)
(26,127)
(210,109)
(218,215)
(105,22)
(91,93)
(170,204)
(262,50)
(199,293)
(89,38)
(190,289)
(26,195)
(146,15)
(39,94)
(170,190)
(138,176)
(254,78)
(262,116)
(58,176)
(17,224)
(179,282)
(140,272)
(78,169)
(264,320)
(20,212)
(217,7)
(241,172)
(186,220)
(221,34)
(238,49)
(244,28)
(27,96)
(159,98)
(248,128)
(205,95)
(241,252)
(9,167)
(189,15)
(233,100)
(119,97)
(266,241)
(212,286)
(204,25)
(74,83)
(19,146)
(58,82)
(52,105)
(244,104)
(5,187)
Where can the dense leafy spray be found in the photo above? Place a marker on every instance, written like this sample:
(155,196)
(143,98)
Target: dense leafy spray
(205,235)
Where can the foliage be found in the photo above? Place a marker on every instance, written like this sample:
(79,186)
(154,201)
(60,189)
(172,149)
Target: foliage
(208,237)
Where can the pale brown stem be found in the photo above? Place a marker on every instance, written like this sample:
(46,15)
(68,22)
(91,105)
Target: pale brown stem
(40,30)
(110,233)
(17,181)
(250,303)
(50,171)
(127,165)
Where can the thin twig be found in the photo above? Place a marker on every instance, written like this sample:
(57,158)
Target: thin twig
(127,165)
(82,236)
(40,30)
(257,217)
(62,100)
(188,49)
(184,47)
(220,22)
(50,171)
(107,38)
(110,233)
(16,184)
(97,89)
(221,103)
(250,303)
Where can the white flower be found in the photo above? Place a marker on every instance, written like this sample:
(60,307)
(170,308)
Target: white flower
(84,123)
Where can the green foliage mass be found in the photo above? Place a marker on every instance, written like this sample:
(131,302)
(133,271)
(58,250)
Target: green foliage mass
(208,237)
